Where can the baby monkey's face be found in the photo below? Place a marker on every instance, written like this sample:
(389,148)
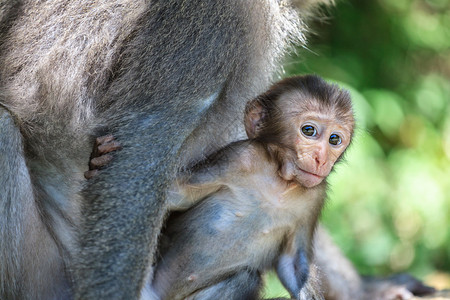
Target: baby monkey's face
(315,140)
(306,125)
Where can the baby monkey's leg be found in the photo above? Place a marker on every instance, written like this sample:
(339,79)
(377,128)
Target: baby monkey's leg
(100,157)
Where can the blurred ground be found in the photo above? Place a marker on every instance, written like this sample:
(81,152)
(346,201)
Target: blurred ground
(441,295)
(439,280)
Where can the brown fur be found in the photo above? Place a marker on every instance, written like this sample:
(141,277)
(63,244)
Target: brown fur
(250,218)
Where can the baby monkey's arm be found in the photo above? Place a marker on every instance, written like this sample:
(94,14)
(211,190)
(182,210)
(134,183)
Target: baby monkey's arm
(293,265)
(197,183)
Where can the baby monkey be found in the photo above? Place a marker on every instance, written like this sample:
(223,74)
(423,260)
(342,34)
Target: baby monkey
(254,205)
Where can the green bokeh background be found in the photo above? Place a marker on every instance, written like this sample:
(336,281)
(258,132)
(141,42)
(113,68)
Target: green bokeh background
(389,202)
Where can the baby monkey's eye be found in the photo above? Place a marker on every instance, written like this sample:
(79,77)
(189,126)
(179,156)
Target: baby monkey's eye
(309,130)
(335,139)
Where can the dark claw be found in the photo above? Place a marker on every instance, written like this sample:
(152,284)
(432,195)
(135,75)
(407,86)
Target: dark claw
(103,139)
(108,147)
(98,162)
(99,158)
(90,174)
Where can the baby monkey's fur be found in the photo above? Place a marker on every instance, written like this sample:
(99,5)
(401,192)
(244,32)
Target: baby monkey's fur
(257,201)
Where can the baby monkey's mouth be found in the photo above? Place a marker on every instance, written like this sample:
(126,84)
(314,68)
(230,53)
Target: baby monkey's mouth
(308,179)
(309,173)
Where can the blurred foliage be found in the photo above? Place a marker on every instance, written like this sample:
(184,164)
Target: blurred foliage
(389,203)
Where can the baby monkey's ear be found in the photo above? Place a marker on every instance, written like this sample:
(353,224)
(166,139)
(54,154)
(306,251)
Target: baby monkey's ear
(255,116)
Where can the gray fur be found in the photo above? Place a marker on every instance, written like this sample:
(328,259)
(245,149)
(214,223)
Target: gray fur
(154,73)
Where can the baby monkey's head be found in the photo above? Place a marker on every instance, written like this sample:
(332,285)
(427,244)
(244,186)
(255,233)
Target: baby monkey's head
(305,123)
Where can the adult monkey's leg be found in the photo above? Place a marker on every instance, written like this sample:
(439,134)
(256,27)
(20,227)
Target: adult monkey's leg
(179,89)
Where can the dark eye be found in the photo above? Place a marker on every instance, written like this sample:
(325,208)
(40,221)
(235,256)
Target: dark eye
(335,139)
(309,130)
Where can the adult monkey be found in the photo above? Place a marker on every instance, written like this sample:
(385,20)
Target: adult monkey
(168,78)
